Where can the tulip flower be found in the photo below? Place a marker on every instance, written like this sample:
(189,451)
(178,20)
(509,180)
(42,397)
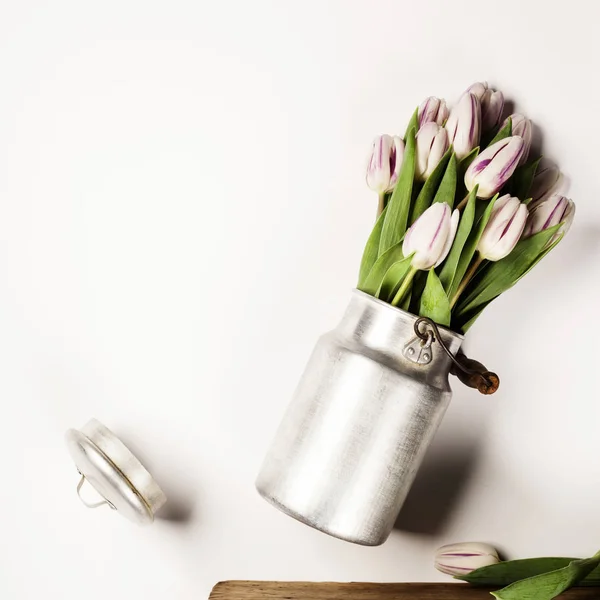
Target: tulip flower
(492,105)
(433,110)
(430,236)
(504,228)
(494,166)
(556,209)
(500,235)
(478,89)
(428,241)
(384,163)
(547,181)
(522,127)
(464,125)
(461,559)
(432,143)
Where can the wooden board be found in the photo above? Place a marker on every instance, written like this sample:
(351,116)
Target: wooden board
(282,590)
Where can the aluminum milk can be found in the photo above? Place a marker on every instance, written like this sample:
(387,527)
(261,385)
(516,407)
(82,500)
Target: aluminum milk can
(363,415)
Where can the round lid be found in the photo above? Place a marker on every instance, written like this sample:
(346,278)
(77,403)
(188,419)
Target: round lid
(114,472)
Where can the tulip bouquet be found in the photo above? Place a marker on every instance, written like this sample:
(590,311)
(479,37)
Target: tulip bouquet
(464,212)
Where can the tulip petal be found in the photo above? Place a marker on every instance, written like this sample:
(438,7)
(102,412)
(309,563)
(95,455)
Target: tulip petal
(464,125)
(494,166)
(427,236)
(454,219)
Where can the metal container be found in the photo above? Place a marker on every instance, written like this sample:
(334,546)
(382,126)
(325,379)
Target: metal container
(363,415)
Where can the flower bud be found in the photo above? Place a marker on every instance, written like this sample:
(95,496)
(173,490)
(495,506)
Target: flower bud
(556,209)
(464,125)
(492,105)
(433,110)
(547,181)
(494,166)
(478,89)
(522,127)
(504,228)
(384,163)
(461,559)
(432,143)
(431,235)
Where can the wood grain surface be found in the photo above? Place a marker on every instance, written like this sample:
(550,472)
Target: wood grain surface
(282,590)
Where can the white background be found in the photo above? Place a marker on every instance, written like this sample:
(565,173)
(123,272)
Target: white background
(183,211)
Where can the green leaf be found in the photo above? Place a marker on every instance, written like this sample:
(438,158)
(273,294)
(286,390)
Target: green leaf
(462,233)
(549,585)
(404,288)
(371,251)
(380,268)
(398,208)
(521,181)
(393,278)
(447,189)
(428,191)
(434,302)
(412,124)
(470,247)
(507,572)
(503,274)
(542,254)
(505,132)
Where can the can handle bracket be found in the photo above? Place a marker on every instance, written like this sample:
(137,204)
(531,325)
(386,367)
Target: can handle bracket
(470,372)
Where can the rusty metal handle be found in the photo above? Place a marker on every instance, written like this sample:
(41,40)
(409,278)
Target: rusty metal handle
(475,375)
(470,372)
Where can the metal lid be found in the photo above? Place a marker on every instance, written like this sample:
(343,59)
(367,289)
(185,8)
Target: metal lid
(114,472)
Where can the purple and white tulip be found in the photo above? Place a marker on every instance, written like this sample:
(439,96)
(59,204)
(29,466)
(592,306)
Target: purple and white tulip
(384,163)
(504,229)
(464,125)
(461,559)
(522,127)
(547,181)
(432,143)
(433,110)
(479,88)
(492,105)
(430,236)
(556,209)
(494,166)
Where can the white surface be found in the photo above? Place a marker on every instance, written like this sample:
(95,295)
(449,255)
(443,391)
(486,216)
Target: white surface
(183,211)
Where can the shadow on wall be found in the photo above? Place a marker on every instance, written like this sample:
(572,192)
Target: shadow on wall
(438,487)
(181,500)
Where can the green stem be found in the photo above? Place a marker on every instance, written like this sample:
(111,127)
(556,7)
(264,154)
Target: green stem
(381,204)
(404,287)
(465,282)
(463,202)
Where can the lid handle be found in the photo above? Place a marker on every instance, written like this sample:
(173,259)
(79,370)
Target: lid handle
(90,504)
